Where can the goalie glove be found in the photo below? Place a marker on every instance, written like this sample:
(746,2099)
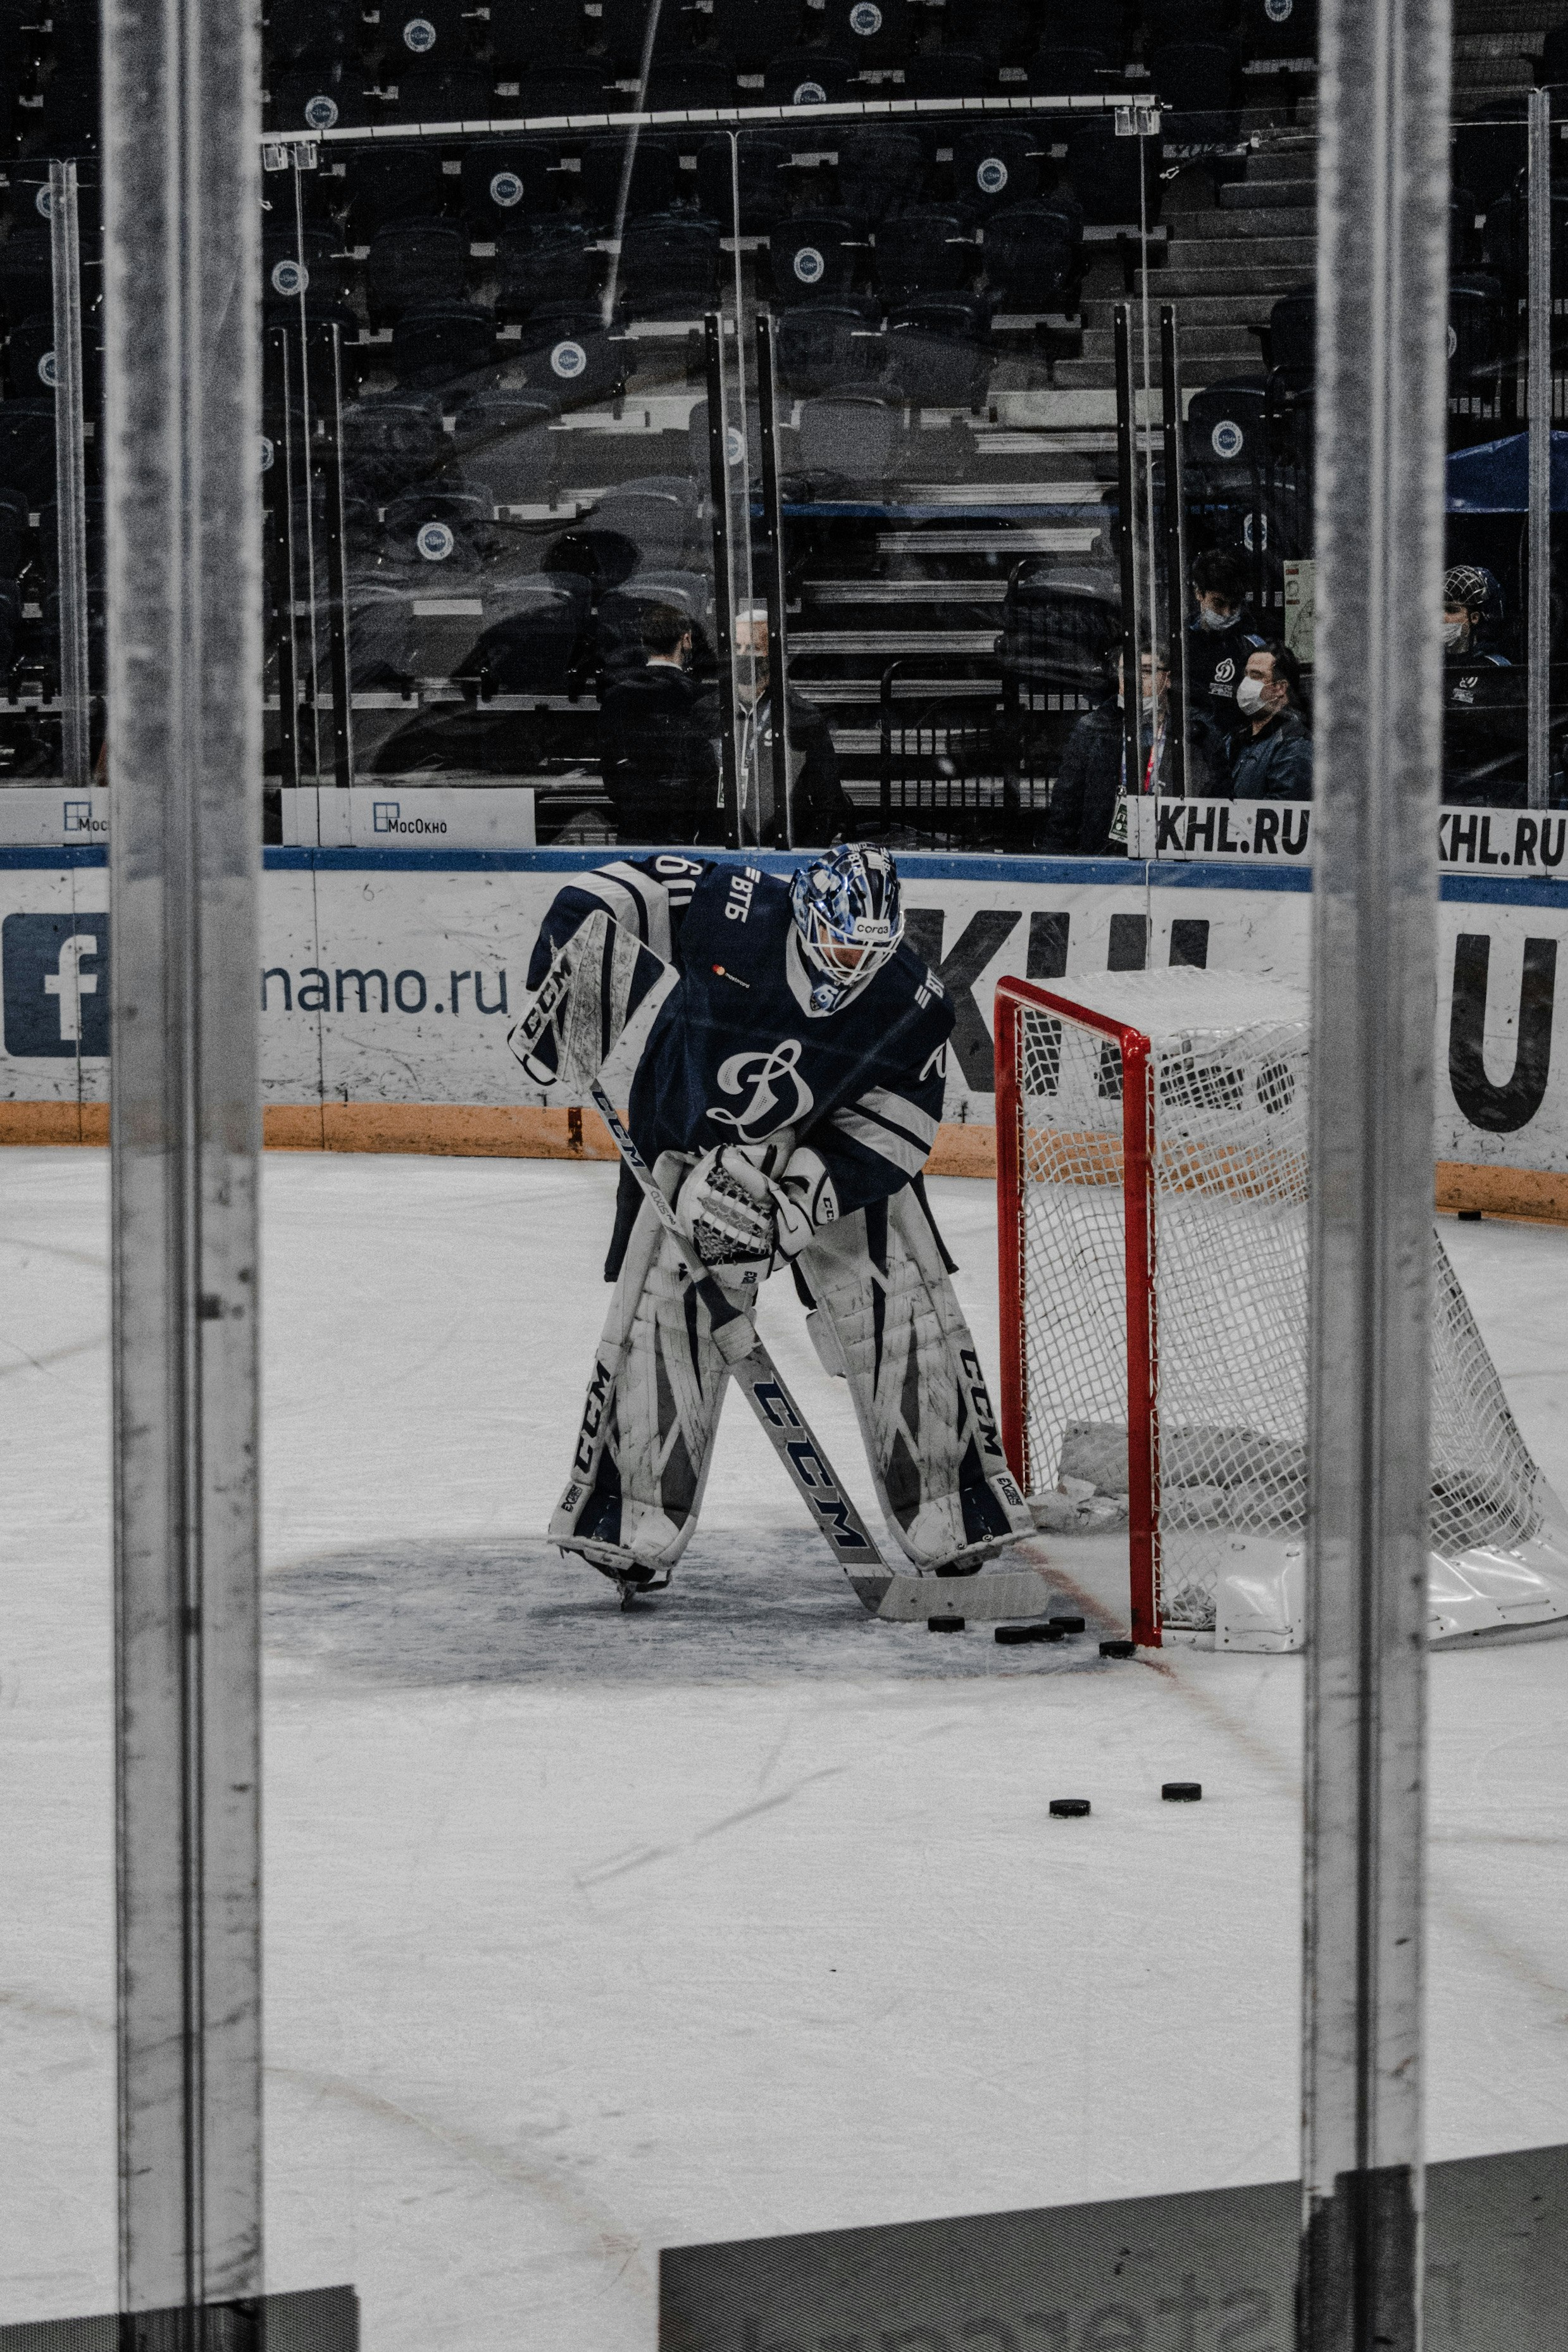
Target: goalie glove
(727,1211)
(805,1201)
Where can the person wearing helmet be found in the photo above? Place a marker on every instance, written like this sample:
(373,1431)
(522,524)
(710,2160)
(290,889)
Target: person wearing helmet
(787,1097)
(1484,737)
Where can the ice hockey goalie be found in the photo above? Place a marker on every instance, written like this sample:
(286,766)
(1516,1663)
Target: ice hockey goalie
(786,1096)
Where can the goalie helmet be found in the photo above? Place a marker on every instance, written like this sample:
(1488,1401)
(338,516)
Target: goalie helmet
(849,916)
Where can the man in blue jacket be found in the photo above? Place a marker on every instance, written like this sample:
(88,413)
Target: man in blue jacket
(1273,760)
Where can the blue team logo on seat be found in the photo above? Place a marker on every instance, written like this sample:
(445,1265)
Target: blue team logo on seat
(569,361)
(506,190)
(435,541)
(1278,11)
(47,371)
(419,35)
(320,111)
(734,446)
(809,265)
(42,201)
(865,19)
(268,454)
(289,278)
(991,176)
(1228,440)
(777,1095)
(1259,538)
(810,93)
(54,971)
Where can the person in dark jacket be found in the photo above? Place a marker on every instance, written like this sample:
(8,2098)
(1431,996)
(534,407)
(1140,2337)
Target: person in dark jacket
(660,769)
(820,810)
(1486,742)
(1084,819)
(1273,762)
(1221,638)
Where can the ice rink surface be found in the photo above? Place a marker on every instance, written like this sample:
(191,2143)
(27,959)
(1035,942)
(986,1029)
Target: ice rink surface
(587,1934)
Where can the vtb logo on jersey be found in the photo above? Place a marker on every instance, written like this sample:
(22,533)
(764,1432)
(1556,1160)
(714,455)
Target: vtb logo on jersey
(778,1094)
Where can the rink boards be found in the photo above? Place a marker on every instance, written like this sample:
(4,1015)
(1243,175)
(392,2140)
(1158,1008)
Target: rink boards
(390,979)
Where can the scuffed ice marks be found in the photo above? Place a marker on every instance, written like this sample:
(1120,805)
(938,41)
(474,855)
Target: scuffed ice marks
(765,1608)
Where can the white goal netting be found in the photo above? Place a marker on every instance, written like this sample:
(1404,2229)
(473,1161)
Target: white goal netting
(1208,1182)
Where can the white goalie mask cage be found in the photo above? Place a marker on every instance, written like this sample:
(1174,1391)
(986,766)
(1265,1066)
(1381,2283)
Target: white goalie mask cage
(1153,1163)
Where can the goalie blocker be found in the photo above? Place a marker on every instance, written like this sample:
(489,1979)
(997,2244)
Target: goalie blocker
(792,1078)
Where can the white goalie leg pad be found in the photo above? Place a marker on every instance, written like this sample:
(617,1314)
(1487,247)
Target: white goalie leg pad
(646,1437)
(919,1395)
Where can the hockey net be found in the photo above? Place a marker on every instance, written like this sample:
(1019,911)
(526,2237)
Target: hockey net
(1153,1179)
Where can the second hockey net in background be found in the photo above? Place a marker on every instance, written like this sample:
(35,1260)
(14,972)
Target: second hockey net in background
(1152,1171)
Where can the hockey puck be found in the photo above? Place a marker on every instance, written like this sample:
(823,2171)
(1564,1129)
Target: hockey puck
(1182,1792)
(1070,1809)
(1036,1633)
(1067,1624)
(945,1624)
(1119,1649)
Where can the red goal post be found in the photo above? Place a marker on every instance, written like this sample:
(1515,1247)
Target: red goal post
(1130,1168)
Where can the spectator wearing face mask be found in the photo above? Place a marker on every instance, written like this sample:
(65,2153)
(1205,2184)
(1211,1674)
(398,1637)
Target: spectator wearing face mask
(1221,637)
(1085,816)
(1273,761)
(1486,755)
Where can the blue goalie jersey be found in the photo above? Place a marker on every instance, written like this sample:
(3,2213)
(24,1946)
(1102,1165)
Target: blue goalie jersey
(737,1055)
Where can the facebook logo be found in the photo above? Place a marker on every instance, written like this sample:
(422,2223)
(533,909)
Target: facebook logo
(54,970)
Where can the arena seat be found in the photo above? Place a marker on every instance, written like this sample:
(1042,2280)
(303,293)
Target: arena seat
(28,447)
(949,73)
(1060,72)
(618,644)
(657,514)
(391,184)
(874,32)
(296,29)
(1293,333)
(882,169)
(927,252)
(1104,173)
(440,342)
(389,441)
(506,436)
(380,632)
(595,185)
(542,261)
(531,645)
(847,440)
(301,261)
(1030,251)
(26,270)
(555,89)
(434,31)
(689,84)
(764,175)
(994,166)
(443,93)
(324,94)
(1188,20)
(440,527)
(939,353)
(813,258)
(668,266)
(411,262)
(620,31)
(1226,426)
(819,345)
(569,353)
(525,31)
(504,181)
(808,78)
(1193,78)
(1280,29)
(747,32)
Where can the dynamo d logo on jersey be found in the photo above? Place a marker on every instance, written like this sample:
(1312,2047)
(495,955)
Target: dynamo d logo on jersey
(54,974)
(779,1096)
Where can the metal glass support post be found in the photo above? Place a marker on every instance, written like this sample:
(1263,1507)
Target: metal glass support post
(182,121)
(1381,307)
(1175,552)
(280,517)
(723,601)
(330,456)
(1126,475)
(71,481)
(773,533)
(1539,623)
